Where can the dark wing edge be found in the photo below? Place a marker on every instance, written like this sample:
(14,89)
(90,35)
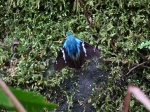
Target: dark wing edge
(91,52)
(60,63)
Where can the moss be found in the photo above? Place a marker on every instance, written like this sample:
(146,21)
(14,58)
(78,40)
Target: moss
(120,29)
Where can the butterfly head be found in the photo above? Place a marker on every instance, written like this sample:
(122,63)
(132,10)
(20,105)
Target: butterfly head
(68,33)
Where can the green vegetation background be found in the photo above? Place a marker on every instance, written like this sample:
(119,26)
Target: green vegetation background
(122,32)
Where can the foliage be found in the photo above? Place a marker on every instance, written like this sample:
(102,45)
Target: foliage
(120,28)
(29,100)
(5,102)
(144,45)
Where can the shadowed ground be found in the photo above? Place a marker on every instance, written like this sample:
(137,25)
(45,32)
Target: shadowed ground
(86,80)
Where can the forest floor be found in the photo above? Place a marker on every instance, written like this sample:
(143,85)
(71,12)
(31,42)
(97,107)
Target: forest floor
(79,94)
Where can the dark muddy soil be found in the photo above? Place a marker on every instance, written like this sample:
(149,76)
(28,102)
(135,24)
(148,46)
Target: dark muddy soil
(80,93)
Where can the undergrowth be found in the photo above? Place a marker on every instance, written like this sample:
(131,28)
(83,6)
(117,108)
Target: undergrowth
(121,31)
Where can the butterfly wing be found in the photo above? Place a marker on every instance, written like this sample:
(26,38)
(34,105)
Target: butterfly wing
(63,60)
(88,52)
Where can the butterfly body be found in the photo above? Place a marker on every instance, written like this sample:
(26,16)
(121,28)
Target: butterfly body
(72,46)
(74,53)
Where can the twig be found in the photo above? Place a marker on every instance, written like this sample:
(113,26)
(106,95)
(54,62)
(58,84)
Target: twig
(138,94)
(112,60)
(12,98)
(135,67)
(126,102)
(82,3)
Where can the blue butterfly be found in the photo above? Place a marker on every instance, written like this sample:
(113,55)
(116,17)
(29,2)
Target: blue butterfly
(74,53)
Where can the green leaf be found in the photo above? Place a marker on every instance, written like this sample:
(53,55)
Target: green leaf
(32,102)
(4,101)
(132,103)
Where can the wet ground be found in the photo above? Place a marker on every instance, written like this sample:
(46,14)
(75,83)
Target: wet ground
(80,93)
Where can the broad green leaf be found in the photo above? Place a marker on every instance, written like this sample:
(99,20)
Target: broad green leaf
(32,102)
(4,101)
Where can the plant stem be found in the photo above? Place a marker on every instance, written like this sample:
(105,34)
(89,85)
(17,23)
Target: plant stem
(12,98)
